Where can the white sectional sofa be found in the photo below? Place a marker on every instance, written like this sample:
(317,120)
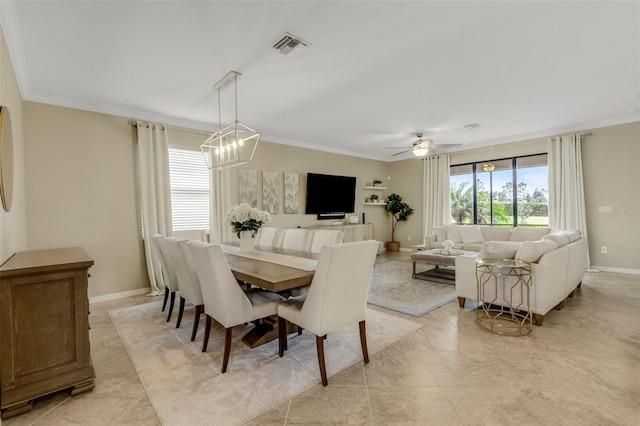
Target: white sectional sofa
(472,237)
(558,260)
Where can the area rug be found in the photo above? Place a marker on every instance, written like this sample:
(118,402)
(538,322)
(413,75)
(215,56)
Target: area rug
(393,288)
(185,386)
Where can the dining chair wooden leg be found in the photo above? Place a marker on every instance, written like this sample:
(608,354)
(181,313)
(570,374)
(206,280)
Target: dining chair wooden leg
(320,348)
(166,297)
(282,335)
(363,342)
(171,303)
(180,312)
(196,321)
(299,331)
(207,330)
(227,349)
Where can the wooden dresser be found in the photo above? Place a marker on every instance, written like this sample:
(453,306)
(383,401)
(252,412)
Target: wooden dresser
(44,326)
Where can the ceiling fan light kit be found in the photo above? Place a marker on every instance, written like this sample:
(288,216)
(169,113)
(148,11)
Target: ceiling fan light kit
(234,144)
(421,148)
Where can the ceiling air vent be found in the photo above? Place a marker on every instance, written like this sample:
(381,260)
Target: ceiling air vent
(290,45)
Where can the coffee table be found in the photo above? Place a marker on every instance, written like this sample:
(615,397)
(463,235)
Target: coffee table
(444,271)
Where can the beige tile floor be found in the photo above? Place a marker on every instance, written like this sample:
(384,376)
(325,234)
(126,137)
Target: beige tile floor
(582,367)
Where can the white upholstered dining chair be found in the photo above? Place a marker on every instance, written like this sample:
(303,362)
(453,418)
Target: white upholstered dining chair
(337,297)
(191,234)
(170,280)
(296,239)
(224,300)
(197,298)
(268,236)
(325,237)
(188,290)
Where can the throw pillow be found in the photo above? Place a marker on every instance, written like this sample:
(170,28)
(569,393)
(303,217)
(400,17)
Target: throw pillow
(560,240)
(471,234)
(528,234)
(440,232)
(499,250)
(453,233)
(532,251)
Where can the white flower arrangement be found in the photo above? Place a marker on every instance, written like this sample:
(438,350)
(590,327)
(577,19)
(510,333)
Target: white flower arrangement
(243,217)
(448,245)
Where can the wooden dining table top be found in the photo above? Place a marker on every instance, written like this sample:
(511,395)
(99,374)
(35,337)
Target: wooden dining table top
(270,276)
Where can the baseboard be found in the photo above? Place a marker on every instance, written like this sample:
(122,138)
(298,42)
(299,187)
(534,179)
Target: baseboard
(616,270)
(121,295)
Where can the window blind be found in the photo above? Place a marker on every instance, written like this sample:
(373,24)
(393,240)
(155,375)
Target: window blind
(190,193)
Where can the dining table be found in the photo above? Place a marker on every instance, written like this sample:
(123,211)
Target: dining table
(274,269)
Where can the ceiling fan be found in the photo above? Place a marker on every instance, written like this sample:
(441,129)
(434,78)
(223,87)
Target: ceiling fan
(420,148)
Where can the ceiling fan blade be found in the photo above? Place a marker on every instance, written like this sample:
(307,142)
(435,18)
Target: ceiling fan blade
(397,147)
(401,152)
(446,144)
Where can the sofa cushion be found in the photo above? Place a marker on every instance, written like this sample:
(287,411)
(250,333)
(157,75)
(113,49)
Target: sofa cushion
(573,235)
(560,240)
(471,234)
(496,233)
(440,232)
(528,234)
(499,249)
(453,233)
(472,247)
(532,251)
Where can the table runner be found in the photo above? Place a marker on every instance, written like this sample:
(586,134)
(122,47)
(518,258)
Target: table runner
(278,259)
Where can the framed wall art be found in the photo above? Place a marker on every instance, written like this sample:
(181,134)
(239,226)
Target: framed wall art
(291,193)
(271,191)
(248,187)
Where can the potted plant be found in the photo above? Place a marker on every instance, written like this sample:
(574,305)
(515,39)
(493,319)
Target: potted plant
(377,182)
(399,212)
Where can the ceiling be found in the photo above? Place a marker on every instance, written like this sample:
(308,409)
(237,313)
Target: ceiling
(376,73)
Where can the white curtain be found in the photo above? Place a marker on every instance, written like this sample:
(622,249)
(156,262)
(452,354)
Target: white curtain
(566,186)
(220,203)
(436,194)
(154,192)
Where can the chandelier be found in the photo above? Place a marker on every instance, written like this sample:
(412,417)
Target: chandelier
(234,144)
(488,167)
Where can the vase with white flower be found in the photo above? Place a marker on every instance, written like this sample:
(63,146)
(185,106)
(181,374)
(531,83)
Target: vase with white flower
(245,222)
(447,247)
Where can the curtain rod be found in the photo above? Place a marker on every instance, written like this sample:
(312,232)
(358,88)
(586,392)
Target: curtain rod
(134,123)
(581,134)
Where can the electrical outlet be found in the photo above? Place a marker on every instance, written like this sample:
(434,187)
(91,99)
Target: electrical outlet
(409,237)
(603,250)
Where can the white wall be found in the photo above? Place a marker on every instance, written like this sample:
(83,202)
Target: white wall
(13,224)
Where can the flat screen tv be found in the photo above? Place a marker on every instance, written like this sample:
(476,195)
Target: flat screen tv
(330,196)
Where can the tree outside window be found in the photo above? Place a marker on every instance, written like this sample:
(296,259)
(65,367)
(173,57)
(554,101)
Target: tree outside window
(489,197)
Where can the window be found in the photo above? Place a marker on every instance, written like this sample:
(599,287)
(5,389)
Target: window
(190,190)
(486,195)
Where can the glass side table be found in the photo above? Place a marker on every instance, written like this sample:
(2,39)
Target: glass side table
(504,292)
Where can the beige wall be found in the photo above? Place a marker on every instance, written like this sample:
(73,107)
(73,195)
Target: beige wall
(81,188)
(611,163)
(289,159)
(611,167)
(13,224)
(81,192)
